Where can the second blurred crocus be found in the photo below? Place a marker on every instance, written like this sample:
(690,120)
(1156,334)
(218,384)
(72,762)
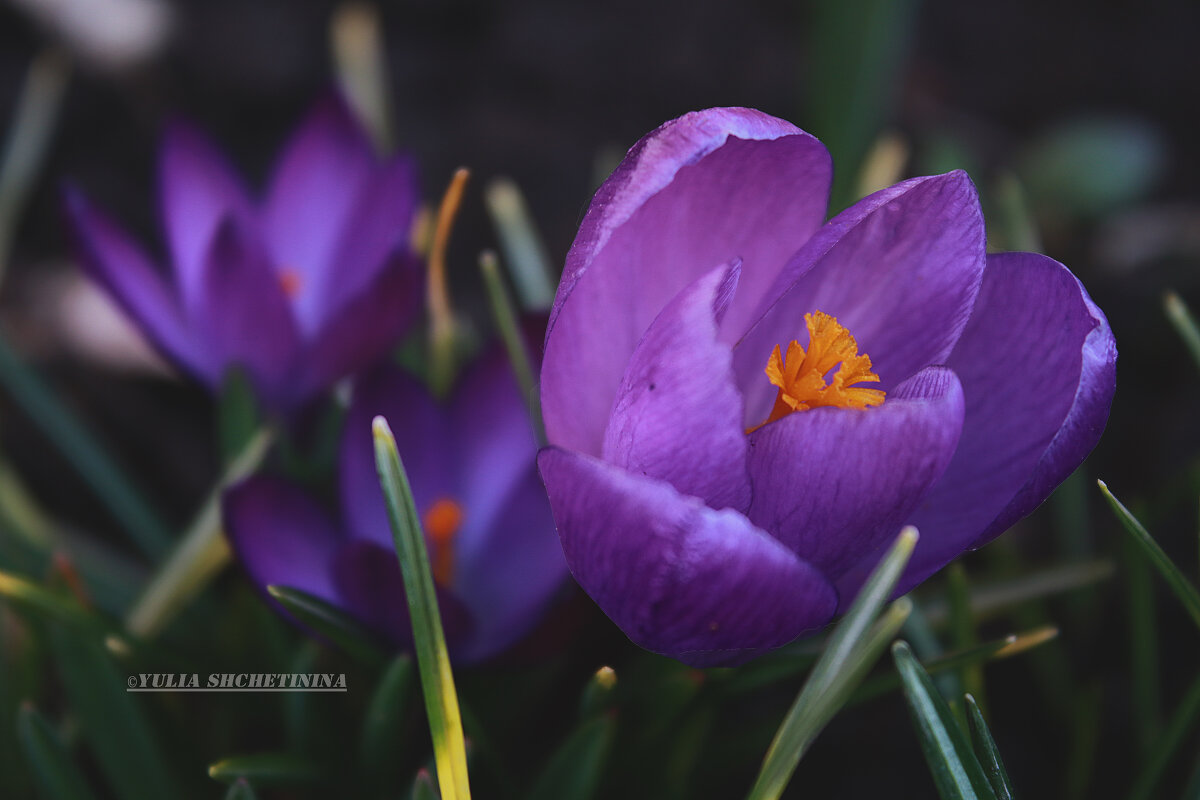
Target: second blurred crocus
(310,285)
(496,560)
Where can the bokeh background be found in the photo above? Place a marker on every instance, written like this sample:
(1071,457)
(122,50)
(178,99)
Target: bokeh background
(1079,120)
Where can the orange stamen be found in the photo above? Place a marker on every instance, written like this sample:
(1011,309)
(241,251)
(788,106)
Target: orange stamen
(801,375)
(442,521)
(291,281)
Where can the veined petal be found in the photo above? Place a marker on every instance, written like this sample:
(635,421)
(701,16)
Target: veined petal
(196,189)
(282,537)
(703,586)
(1038,366)
(322,173)
(677,415)
(245,315)
(900,269)
(833,484)
(121,267)
(704,189)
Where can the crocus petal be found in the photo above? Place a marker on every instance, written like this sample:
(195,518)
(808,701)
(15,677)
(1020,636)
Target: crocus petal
(197,189)
(246,315)
(366,326)
(677,415)
(422,437)
(700,191)
(378,227)
(832,483)
(368,580)
(900,269)
(316,183)
(703,586)
(513,571)
(1038,366)
(281,536)
(121,267)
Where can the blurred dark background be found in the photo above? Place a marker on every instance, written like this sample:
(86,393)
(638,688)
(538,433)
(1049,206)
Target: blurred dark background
(1089,109)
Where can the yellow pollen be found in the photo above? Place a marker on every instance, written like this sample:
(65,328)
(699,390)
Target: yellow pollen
(442,521)
(291,281)
(801,375)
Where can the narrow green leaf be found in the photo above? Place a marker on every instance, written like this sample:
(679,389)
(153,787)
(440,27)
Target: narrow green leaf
(48,759)
(1015,226)
(92,463)
(992,598)
(265,769)
(383,726)
(331,622)
(1143,647)
(238,417)
(1182,724)
(59,607)
(111,719)
(575,769)
(956,772)
(962,627)
(423,786)
(522,246)
(241,790)
(1183,589)
(1183,321)
(514,343)
(985,750)
(851,651)
(433,661)
(598,694)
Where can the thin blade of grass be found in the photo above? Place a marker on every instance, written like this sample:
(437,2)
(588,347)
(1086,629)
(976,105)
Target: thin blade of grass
(1183,321)
(1181,725)
(433,661)
(1183,589)
(241,790)
(265,769)
(575,769)
(956,772)
(522,246)
(514,343)
(330,622)
(47,758)
(986,751)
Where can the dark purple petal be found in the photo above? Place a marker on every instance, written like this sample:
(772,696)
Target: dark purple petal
(322,173)
(282,537)
(423,439)
(378,227)
(120,266)
(832,484)
(368,579)
(366,326)
(900,269)
(700,191)
(245,315)
(703,586)
(1038,366)
(197,189)
(677,415)
(509,570)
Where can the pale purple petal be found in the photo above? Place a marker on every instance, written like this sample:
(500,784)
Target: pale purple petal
(245,314)
(1038,366)
(282,537)
(703,586)
(120,266)
(197,189)
(833,484)
(322,173)
(900,269)
(423,438)
(702,190)
(366,326)
(677,415)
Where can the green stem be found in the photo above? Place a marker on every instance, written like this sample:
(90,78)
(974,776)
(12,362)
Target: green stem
(510,333)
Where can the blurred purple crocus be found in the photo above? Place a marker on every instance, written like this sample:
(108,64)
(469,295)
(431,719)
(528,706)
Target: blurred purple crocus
(745,403)
(312,284)
(495,559)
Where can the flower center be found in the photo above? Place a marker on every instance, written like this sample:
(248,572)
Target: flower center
(291,281)
(801,375)
(442,521)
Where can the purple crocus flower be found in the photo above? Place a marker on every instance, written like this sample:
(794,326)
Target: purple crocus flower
(470,462)
(745,403)
(312,284)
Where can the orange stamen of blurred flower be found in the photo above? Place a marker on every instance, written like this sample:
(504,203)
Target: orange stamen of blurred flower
(291,281)
(442,521)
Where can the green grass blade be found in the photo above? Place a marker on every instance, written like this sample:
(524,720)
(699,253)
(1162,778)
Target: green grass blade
(514,343)
(956,772)
(962,627)
(985,750)
(851,651)
(598,694)
(1143,647)
(423,788)
(1182,724)
(575,769)
(1183,589)
(433,661)
(64,430)
(1183,321)
(62,608)
(383,726)
(241,790)
(265,769)
(48,759)
(522,246)
(331,622)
